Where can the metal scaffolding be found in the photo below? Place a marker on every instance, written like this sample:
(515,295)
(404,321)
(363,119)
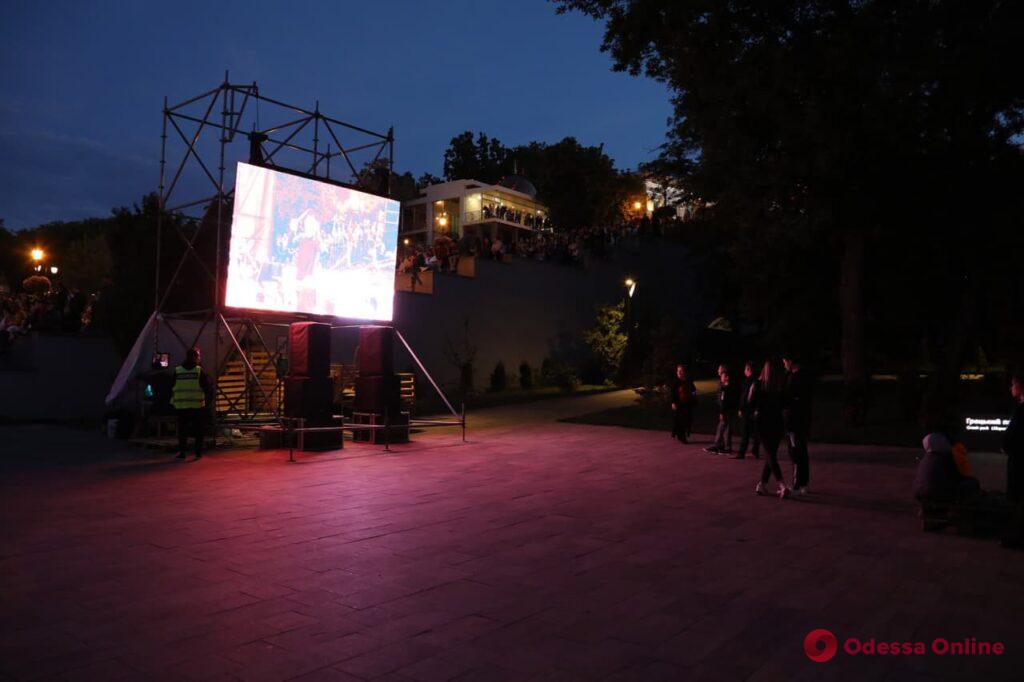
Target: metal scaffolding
(201,139)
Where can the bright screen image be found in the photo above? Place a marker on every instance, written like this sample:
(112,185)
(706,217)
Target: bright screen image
(300,245)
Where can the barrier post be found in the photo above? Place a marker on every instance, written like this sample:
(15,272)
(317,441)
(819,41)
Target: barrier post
(291,439)
(387,431)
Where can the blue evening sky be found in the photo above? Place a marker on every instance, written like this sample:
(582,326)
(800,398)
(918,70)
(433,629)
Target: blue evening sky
(82,84)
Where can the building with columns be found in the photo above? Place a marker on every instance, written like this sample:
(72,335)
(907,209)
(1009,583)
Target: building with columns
(508,209)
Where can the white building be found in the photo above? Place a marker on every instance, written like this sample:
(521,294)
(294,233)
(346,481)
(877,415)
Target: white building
(508,209)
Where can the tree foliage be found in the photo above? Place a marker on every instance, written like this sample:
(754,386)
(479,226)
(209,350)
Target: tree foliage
(607,340)
(579,184)
(862,157)
(481,158)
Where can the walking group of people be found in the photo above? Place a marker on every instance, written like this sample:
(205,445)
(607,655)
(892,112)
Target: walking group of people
(770,405)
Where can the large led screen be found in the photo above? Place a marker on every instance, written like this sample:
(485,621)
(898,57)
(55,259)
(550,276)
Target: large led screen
(300,245)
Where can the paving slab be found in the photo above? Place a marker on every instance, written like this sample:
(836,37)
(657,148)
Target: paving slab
(536,550)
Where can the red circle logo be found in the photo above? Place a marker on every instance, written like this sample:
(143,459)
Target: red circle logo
(820,645)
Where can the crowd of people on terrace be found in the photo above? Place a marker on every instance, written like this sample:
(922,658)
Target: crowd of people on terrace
(57,310)
(567,247)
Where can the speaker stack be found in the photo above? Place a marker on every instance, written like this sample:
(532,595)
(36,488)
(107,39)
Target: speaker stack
(378,390)
(377,386)
(308,387)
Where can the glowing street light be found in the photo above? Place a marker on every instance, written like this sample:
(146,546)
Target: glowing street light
(54,269)
(406,241)
(630,286)
(637,205)
(37,254)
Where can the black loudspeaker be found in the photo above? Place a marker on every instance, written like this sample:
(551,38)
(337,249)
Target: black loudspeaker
(379,393)
(310,398)
(309,349)
(376,351)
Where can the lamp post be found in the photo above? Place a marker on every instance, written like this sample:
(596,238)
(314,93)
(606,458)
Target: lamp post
(630,285)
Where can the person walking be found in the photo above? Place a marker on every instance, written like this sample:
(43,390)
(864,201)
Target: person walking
(728,402)
(190,394)
(748,414)
(770,426)
(797,417)
(682,396)
(1013,446)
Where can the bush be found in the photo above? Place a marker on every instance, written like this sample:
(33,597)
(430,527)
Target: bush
(499,380)
(525,375)
(559,374)
(546,377)
(592,373)
(607,340)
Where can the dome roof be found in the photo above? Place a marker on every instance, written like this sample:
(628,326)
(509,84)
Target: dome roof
(519,184)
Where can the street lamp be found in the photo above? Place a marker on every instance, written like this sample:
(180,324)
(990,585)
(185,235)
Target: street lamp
(630,286)
(637,205)
(37,254)
(54,269)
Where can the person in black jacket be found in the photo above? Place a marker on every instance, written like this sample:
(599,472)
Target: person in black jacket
(682,396)
(728,402)
(748,414)
(797,417)
(1013,446)
(770,426)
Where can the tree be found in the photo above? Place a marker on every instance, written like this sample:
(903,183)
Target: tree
(376,176)
(484,159)
(579,184)
(462,356)
(426,180)
(87,263)
(837,134)
(607,340)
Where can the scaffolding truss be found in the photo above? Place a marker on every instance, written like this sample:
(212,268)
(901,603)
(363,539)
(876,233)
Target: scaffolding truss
(202,139)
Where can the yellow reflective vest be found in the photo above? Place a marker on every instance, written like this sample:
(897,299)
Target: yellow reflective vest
(188,393)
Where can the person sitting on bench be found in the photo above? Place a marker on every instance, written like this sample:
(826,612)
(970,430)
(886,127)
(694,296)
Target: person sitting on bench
(938,478)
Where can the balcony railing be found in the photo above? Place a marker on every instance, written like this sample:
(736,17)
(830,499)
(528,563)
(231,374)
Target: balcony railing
(509,215)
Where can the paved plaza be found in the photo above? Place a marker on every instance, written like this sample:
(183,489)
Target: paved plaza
(539,550)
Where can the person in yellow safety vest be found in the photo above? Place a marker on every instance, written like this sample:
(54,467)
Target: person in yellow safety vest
(190,395)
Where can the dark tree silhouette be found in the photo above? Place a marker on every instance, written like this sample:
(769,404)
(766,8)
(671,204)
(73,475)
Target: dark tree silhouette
(866,151)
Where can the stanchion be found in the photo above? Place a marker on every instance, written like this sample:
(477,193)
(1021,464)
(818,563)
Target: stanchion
(463,421)
(290,433)
(387,430)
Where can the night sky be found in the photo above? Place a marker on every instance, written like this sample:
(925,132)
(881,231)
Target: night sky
(82,84)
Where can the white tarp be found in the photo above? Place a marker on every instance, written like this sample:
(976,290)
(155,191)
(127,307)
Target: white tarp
(174,336)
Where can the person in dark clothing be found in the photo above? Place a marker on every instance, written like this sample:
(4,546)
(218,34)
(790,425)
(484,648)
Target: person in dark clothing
(1013,446)
(682,396)
(191,393)
(938,479)
(770,426)
(728,402)
(797,418)
(748,414)
(160,385)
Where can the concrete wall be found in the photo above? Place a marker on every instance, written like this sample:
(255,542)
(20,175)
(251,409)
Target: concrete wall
(56,377)
(529,310)
(523,310)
